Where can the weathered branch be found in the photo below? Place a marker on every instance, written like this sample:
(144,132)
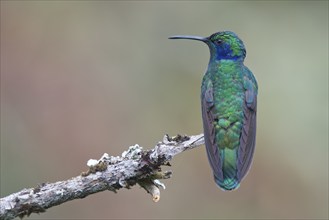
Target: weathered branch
(108,173)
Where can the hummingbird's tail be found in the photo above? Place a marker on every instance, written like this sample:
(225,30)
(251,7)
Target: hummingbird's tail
(229,181)
(227,184)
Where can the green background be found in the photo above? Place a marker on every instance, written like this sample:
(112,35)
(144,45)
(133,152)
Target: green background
(82,78)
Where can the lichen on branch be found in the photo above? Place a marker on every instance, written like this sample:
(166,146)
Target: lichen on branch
(134,166)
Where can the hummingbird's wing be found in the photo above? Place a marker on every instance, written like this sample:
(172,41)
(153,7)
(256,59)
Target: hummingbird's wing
(208,116)
(248,134)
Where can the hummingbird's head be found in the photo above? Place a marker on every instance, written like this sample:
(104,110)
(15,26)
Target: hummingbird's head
(223,45)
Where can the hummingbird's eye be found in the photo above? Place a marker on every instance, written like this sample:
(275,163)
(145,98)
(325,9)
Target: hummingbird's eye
(219,41)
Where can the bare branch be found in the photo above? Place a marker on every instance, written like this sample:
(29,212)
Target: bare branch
(108,173)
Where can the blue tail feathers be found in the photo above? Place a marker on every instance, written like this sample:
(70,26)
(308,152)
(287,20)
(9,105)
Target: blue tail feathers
(227,183)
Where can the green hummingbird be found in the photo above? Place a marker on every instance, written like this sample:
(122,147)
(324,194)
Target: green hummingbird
(229,106)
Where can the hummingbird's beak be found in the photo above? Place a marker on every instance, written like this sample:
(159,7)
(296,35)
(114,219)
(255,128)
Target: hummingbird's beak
(204,39)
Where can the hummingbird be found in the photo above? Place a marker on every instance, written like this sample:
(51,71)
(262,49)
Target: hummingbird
(229,105)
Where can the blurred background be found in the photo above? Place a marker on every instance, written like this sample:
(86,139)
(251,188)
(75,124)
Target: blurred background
(82,78)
